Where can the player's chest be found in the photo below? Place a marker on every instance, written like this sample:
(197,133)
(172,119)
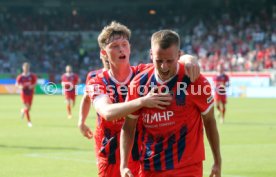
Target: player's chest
(69,79)
(173,115)
(26,79)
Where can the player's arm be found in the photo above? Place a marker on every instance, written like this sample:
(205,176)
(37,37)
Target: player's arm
(126,143)
(227,84)
(18,84)
(83,114)
(191,66)
(34,81)
(112,111)
(213,138)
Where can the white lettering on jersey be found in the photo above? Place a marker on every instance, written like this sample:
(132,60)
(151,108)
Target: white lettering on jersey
(157,117)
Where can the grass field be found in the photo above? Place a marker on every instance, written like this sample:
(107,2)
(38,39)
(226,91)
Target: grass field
(54,147)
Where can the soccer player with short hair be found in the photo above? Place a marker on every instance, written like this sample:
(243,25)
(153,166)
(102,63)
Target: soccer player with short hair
(68,81)
(172,142)
(26,81)
(108,91)
(221,81)
(85,101)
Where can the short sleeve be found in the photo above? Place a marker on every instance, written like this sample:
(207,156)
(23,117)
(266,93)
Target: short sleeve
(95,88)
(76,79)
(34,80)
(132,95)
(18,79)
(203,97)
(88,78)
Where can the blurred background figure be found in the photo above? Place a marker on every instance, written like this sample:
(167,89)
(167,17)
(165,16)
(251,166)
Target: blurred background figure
(26,82)
(69,81)
(221,81)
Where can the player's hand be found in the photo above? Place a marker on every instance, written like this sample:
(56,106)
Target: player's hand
(193,71)
(125,172)
(157,100)
(191,66)
(216,171)
(86,131)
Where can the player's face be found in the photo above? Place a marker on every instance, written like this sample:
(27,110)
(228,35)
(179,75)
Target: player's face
(165,60)
(220,69)
(26,68)
(118,50)
(68,69)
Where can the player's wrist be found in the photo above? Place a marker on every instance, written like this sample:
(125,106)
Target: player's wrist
(142,101)
(81,124)
(217,160)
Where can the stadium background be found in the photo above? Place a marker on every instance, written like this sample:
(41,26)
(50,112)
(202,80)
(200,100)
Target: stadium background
(53,33)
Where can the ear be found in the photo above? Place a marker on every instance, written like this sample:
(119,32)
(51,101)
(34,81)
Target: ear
(103,52)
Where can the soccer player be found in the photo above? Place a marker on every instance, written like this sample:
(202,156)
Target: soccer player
(26,83)
(171,139)
(108,91)
(85,101)
(221,81)
(68,81)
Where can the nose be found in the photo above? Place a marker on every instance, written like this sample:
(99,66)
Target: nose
(164,66)
(120,48)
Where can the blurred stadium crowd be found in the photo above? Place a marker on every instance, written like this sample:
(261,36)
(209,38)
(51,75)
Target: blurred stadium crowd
(242,38)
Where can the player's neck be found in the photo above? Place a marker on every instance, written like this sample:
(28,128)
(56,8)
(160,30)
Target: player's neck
(121,74)
(26,73)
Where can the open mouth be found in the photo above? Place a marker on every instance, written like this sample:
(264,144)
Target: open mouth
(165,73)
(122,57)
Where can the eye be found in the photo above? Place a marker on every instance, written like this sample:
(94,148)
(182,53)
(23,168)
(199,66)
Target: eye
(114,45)
(159,61)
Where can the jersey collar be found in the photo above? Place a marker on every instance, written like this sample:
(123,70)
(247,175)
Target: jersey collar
(163,82)
(121,83)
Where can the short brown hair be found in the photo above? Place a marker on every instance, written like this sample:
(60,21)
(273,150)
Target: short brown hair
(110,31)
(165,38)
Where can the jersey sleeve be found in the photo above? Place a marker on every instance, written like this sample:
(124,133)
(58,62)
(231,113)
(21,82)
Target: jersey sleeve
(34,80)
(76,79)
(88,77)
(203,99)
(18,78)
(227,80)
(132,95)
(94,88)
(62,78)
(143,67)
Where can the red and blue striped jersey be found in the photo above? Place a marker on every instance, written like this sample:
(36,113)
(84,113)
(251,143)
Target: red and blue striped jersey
(69,81)
(92,74)
(221,81)
(171,138)
(107,133)
(26,81)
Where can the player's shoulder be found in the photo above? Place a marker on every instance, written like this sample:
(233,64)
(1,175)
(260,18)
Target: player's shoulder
(143,76)
(201,80)
(227,76)
(19,75)
(63,75)
(33,75)
(93,73)
(141,67)
(99,77)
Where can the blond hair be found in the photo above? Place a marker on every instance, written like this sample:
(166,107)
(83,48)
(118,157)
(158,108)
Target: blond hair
(109,31)
(165,39)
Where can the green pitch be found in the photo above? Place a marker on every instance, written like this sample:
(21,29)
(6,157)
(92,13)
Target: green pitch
(54,147)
